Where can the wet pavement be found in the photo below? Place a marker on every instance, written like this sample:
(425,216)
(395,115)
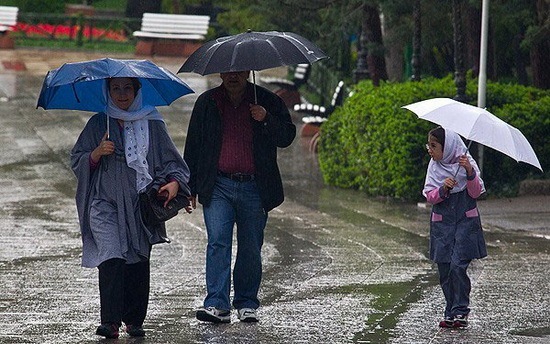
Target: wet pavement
(338,267)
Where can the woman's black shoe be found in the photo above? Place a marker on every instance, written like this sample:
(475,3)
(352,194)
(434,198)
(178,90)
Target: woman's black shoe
(107,331)
(135,331)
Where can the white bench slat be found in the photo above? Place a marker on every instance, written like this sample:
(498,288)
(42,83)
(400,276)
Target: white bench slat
(301,73)
(166,35)
(8,17)
(175,29)
(7,20)
(173,26)
(318,114)
(275,80)
(175,21)
(184,17)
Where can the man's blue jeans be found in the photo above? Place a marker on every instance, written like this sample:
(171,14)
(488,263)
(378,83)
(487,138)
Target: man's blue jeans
(232,203)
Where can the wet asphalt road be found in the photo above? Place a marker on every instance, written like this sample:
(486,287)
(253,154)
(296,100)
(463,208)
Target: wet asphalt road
(338,267)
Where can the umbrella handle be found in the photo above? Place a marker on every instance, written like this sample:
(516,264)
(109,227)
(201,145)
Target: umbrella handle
(104,162)
(254,82)
(467,149)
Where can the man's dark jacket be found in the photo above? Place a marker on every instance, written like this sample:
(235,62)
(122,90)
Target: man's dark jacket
(204,141)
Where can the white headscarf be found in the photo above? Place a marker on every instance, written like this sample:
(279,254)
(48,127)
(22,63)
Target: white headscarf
(448,165)
(136,135)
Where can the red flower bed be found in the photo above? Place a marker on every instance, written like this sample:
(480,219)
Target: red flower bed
(66,31)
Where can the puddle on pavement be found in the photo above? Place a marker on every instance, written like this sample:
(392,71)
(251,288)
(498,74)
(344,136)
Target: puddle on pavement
(66,188)
(35,208)
(390,302)
(541,332)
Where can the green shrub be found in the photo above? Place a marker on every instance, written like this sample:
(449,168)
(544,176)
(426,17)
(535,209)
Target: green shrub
(372,144)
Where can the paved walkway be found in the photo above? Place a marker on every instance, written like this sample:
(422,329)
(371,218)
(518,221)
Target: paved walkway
(339,267)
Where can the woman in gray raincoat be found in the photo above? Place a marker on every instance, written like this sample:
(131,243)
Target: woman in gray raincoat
(112,169)
(452,186)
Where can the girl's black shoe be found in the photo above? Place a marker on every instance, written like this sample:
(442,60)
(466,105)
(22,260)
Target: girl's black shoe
(447,322)
(107,331)
(135,331)
(461,321)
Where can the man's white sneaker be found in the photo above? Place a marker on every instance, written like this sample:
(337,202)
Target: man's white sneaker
(213,315)
(247,315)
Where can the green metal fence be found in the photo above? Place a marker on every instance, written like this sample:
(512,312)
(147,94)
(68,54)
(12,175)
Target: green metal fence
(80,27)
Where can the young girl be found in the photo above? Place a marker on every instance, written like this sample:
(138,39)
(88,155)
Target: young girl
(452,187)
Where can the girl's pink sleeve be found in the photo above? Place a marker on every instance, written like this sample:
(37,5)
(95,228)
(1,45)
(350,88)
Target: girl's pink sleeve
(474,186)
(436,195)
(93,164)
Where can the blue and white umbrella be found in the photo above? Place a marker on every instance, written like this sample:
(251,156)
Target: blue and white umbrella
(82,85)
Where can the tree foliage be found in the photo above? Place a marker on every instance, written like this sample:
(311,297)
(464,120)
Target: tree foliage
(518,42)
(335,27)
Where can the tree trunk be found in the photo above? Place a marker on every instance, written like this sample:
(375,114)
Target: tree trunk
(416,61)
(541,49)
(473,38)
(176,8)
(361,71)
(373,31)
(460,73)
(519,59)
(136,8)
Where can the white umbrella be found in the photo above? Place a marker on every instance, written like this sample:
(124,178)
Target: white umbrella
(476,124)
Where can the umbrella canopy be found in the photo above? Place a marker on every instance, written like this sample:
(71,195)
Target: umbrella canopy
(82,86)
(477,124)
(252,51)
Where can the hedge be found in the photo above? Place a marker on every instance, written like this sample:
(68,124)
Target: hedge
(372,144)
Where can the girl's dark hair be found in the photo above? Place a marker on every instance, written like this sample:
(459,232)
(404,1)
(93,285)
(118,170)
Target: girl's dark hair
(135,83)
(439,134)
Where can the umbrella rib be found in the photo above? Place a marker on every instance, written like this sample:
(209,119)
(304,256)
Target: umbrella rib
(74,88)
(275,49)
(294,41)
(209,52)
(234,54)
(75,94)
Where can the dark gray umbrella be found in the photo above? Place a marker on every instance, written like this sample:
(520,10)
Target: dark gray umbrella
(252,51)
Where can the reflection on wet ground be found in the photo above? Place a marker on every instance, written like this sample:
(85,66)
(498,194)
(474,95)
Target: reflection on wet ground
(338,267)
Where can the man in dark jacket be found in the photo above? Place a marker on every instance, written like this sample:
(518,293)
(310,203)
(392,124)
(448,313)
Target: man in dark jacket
(231,151)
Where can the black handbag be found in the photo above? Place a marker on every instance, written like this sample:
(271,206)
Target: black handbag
(152,207)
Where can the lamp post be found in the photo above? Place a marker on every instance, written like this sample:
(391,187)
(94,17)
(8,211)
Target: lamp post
(482,77)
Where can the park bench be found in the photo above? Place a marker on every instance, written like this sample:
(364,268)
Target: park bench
(171,34)
(301,74)
(8,19)
(288,89)
(315,115)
